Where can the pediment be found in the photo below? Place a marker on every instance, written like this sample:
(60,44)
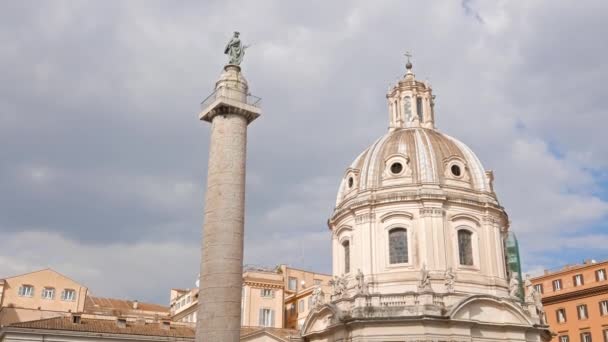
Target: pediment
(319,320)
(489,309)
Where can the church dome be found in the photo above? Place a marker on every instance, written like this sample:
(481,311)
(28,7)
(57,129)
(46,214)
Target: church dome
(412,157)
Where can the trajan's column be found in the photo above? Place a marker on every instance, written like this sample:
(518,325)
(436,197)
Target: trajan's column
(229,109)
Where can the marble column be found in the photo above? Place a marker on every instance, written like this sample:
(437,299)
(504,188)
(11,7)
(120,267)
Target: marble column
(229,111)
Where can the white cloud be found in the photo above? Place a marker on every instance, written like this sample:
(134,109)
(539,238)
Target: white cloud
(100,103)
(133,271)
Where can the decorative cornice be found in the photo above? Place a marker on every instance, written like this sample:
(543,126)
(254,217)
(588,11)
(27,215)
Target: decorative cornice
(460,216)
(372,198)
(586,292)
(432,212)
(365,218)
(396,214)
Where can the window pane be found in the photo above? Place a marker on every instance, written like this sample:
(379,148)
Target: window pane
(293,283)
(465,249)
(601,275)
(346,246)
(397,246)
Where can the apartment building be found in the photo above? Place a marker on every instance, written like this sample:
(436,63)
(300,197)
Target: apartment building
(47,294)
(277,297)
(39,295)
(299,286)
(575,299)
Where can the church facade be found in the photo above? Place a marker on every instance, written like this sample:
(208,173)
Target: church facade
(418,242)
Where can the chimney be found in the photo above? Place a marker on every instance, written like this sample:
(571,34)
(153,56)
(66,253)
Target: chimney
(76,318)
(135,304)
(121,323)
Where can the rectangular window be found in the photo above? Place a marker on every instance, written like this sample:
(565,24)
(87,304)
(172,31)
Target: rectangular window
(586,337)
(346,246)
(578,280)
(564,338)
(293,284)
(266,318)
(68,295)
(301,306)
(48,293)
(419,108)
(397,244)
(561,315)
(582,311)
(557,284)
(317,281)
(538,288)
(604,308)
(600,275)
(292,309)
(309,302)
(267,293)
(188,299)
(26,291)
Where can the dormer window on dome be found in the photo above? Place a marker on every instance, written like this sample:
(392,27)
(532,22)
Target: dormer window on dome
(410,102)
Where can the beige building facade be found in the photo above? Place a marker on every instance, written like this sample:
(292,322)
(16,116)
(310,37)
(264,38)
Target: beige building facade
(279,297)
(46,294)
(300,285)
(575,298)
(39,295)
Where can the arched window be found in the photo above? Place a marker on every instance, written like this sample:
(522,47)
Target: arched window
(397,246)
(346,246)
(465,247)
(419,109)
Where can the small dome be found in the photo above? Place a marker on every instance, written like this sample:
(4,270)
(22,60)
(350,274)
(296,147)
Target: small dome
(412,157)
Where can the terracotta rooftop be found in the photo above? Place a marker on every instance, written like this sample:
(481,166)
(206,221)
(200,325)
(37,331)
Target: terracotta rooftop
(106,326)
(114,306)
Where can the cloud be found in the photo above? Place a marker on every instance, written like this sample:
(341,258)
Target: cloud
(103,153)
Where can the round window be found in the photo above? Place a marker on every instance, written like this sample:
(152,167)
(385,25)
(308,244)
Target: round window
(456,170)
(396,168)
(350,182)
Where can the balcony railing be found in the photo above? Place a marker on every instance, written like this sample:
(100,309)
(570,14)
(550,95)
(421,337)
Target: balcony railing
(232,94)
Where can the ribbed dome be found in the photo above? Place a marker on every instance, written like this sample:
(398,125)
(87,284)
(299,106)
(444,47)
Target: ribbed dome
(411,157)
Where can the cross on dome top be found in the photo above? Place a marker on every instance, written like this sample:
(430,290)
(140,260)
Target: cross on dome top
(408,65)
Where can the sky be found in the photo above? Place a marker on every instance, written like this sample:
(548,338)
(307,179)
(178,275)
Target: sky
(103,159)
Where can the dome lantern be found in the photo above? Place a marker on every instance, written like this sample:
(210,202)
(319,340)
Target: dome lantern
(410,102)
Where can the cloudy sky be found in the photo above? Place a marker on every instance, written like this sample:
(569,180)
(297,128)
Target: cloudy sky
(103,159)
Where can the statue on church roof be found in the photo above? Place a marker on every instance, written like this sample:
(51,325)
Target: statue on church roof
(425,279)
(449,280)
(514,286)
(235,49)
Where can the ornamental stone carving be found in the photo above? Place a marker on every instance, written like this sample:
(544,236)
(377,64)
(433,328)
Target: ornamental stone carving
(339,285)
(362,286)
(432,212)
(514,286)
(449,280)
(425,279)
(318,297)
